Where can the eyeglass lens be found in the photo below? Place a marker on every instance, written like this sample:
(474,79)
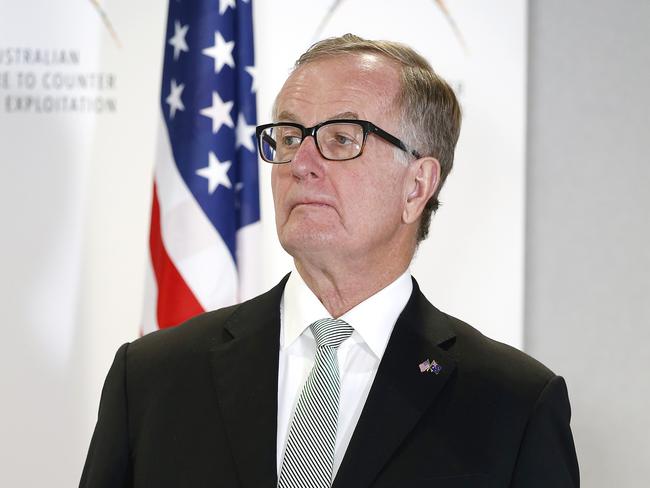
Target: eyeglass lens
(337,141)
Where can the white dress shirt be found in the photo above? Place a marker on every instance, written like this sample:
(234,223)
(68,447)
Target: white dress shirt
(358,357)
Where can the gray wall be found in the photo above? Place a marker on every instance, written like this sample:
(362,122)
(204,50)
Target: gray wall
(588,225)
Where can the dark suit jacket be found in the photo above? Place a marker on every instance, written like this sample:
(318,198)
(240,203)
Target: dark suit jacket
(196,406)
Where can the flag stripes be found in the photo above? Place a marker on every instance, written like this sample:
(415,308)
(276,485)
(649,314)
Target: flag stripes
(206,191)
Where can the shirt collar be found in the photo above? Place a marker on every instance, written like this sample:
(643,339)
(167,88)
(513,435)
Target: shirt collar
(373,319)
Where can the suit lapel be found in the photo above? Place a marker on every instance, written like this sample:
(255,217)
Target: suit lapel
(400,393)
(245,372)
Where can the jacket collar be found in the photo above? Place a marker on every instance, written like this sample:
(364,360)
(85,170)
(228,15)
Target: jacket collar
(401,392)
(245,373)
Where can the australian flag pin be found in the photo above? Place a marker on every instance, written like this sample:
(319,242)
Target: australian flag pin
(430,367)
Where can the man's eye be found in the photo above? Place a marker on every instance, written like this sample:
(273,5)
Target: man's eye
(289,141)
(343,139)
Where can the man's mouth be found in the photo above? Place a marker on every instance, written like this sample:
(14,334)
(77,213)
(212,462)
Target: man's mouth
(311,202)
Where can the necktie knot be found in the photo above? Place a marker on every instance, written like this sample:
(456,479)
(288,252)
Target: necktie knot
(331,332)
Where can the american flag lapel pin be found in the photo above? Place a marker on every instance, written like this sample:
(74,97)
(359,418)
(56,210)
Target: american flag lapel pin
(424,366)
(429,366)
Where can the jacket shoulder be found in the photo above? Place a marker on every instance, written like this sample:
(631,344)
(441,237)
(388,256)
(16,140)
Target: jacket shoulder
(496,365)
(197,332)
(207,330)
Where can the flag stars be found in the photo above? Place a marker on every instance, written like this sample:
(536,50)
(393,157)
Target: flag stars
(252,70)
(178,39)
(219,112)
(174,98)
(221,52)
(224,4)
(216,172)
(245,133)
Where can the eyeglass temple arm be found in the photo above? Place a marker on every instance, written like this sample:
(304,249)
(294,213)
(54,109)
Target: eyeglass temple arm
(394,141)
(270,141)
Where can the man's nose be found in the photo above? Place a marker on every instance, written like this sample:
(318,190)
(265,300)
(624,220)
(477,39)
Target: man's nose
(307,162)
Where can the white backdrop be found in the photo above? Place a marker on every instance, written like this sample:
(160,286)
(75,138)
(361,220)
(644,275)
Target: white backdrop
(76,188)
(75,182)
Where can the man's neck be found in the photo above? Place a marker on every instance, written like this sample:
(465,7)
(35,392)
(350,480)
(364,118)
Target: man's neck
(341,289)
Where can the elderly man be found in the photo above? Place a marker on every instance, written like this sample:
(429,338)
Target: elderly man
(343,374)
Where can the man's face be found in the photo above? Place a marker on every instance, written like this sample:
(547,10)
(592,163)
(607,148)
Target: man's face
(341,209)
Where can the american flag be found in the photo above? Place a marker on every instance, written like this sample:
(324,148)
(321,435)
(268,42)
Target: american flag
(205,212)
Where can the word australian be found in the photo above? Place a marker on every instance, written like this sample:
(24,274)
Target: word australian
(36,56)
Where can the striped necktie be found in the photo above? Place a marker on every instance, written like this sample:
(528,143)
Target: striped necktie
(309,454)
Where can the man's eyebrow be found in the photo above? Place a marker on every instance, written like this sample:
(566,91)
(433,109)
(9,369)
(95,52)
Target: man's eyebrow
(345,115)
(287,116)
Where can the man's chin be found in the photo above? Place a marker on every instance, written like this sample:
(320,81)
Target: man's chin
(309,241)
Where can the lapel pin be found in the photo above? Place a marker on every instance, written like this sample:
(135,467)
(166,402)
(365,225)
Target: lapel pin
(430,367)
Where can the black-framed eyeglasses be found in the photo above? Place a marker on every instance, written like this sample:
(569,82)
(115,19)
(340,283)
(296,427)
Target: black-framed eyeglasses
(336,140)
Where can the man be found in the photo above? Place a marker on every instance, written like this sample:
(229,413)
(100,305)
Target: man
(343,374)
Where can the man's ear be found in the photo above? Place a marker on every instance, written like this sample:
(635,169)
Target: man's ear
(422,181)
